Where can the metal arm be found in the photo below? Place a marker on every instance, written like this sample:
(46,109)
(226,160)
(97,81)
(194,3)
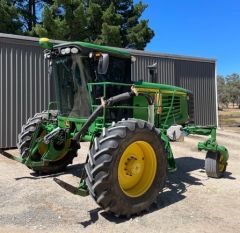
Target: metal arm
(211,143)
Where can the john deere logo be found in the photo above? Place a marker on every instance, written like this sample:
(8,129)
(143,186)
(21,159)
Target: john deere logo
(67,124)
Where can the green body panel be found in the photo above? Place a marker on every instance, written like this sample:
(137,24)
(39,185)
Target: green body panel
(171,161)
(173,102)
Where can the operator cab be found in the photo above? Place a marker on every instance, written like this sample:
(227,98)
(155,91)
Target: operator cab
(74,66)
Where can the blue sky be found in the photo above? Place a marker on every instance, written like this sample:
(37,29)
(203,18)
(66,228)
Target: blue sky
(203,28)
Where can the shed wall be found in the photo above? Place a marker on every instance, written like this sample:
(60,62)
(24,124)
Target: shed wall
(24,86)
(199,77)
(196,76)
(165,69)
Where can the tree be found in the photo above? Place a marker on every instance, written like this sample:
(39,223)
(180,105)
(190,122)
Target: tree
(9,18)
(115,23)
(233,87)
(229,89)
(63,20)
(223,96)
(28,12)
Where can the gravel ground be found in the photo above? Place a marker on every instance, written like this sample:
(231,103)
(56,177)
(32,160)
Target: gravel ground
(190,202)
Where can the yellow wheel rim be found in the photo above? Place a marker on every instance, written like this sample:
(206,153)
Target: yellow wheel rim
(42,147)
(137,168)
(221,164)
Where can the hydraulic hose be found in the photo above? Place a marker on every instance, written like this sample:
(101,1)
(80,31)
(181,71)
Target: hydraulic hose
(109,102)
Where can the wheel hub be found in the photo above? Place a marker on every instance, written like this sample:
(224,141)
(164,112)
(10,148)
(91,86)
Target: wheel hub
(221,164)
(133,166)
(137,168)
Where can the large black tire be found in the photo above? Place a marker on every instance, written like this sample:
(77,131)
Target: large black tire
(103,162)
(214,165)
(24,141)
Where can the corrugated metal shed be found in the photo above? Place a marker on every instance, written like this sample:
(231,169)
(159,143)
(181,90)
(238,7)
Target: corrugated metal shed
(25,87)
(193,73)
(199,77)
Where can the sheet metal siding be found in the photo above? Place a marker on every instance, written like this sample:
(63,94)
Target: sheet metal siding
(24,86)
(165,69)
(199,77)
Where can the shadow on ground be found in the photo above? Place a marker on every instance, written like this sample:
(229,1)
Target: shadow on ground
(75,170)
(176,186)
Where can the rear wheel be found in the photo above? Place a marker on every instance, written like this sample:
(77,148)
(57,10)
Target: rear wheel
(215,165)
(127,167)
(25,138)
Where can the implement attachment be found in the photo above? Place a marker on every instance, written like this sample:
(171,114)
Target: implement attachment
(217,156)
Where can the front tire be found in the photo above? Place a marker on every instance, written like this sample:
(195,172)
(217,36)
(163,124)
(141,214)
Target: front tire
(127,167)
(215,165)
(25,138)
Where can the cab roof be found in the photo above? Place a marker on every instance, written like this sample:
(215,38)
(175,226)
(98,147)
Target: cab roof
(95,47)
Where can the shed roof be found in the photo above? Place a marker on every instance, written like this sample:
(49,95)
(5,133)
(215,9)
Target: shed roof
(121,50)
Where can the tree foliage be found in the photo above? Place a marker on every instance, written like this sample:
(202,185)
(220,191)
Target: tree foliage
(229,89)
(9,18)
(115,23)
(23,14)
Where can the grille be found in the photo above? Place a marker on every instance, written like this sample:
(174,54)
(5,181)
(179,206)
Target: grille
(176,111)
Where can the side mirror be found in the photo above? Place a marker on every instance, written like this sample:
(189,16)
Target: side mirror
(103,63)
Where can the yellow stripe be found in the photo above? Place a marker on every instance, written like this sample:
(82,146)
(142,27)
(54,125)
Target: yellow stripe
(142,89)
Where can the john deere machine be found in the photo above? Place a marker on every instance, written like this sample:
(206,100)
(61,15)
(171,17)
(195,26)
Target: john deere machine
(125,122)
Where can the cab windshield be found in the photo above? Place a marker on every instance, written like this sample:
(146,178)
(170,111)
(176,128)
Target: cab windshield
(71,74)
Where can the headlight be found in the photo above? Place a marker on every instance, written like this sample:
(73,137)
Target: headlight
(67,50)
(63,51)
(74,50)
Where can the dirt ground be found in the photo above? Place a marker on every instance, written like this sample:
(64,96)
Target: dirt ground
(229,117)
(190,202)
